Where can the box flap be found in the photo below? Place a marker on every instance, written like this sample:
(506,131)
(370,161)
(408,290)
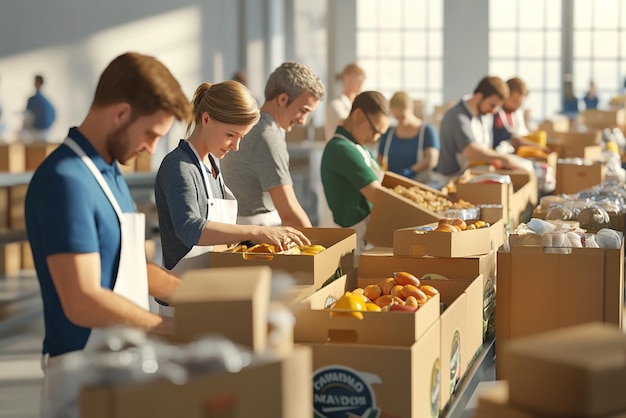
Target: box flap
(221,284)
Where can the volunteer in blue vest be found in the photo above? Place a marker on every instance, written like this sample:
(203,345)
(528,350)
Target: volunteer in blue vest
(88,241)
(196,209)
(350,172)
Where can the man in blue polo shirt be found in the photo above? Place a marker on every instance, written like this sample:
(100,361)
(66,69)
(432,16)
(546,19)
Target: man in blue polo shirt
(40,114)
(87,240)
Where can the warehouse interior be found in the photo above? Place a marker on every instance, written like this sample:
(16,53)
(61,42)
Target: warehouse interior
(434,50)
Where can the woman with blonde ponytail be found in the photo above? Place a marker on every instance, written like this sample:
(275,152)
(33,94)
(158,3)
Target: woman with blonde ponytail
(196,210)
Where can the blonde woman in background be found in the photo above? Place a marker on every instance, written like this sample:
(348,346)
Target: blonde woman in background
(411,148)
(196,210)
(352,78)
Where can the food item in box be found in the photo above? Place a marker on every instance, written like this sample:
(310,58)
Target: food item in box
(403,278)
(430,200)
(350,304)
(457,225)
(312,249)
(593,218)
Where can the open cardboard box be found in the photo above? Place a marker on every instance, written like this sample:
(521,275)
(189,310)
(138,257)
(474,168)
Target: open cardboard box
(390,211)
(410,242)
(242,295)
(273,387)
(314,324)
(314,270)
(539,290)
(365,380)
(572,178)
(601,119)
(575,371)
(379,263)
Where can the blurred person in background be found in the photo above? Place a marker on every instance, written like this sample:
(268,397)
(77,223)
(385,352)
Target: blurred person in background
(569,106)
(411,148)
(591,97)
(509,125)
(465,133)
(258,173)
(350,173)
(39,116)
(352,78)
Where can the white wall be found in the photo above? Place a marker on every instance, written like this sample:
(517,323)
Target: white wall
(71,41)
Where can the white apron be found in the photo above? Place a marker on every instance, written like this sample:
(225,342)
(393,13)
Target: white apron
(60,390)
(219,210)
(361,226)
(263,219)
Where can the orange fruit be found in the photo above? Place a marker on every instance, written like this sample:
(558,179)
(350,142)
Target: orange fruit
(372,292)
(384,301)
(396,291)
(411,301)
(386,285)
(429,290)
(403,278)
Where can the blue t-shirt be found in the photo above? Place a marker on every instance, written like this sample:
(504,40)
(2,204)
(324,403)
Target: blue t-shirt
(42,110)
(403,151)
(67,212)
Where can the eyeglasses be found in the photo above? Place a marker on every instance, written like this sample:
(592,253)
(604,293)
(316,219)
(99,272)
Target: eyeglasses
(376,131)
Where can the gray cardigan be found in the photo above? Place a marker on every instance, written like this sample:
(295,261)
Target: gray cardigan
(182,205)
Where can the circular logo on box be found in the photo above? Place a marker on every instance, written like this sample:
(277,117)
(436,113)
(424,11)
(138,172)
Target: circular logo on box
(330,300)
(455,361)
(435,389)
(340,392)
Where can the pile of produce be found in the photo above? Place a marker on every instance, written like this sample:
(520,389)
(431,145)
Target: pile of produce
(430,200)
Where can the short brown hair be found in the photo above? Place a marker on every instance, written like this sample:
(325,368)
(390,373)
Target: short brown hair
(517,85)
(491,85)
(145,84)
(229,102)
(371,102)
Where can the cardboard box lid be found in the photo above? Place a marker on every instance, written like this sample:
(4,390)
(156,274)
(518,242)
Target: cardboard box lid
(573,371)
(222,284)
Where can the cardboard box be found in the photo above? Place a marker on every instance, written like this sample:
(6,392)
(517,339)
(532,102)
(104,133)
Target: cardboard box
(461,329)
(36,153)
(143,162)
(378,380)
(12,158)
(601,119)
(555,124)
(17,196)
(4,208)
(577,371)
(279,387)
(10,258)
(316,325)
(390,211)
(340,246)
(27,262)
(572,178)
(486,193)
(380,263)
(410,242)
(541,291)
(233,302)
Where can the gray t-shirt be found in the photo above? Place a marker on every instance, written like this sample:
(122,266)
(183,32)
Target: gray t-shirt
(261,164)
(455,134)
(182,204)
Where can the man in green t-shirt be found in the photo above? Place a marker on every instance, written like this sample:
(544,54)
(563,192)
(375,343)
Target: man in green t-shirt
(350,173)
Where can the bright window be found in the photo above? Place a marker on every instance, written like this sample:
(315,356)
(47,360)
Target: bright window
(599,48)
(400,47)
(525,42)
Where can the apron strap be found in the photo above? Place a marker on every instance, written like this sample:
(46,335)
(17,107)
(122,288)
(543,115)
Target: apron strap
(96,173)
